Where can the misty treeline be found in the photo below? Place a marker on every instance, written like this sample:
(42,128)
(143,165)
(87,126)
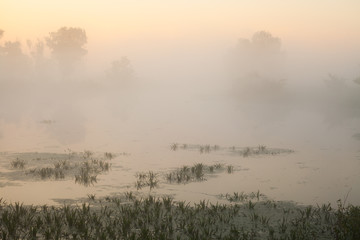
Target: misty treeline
(260,71)
(47,79)
(57,56)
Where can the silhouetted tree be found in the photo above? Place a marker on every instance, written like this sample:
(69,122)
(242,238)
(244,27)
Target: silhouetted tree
(1,33)
(121,70)
(67,46)
(257,67)
(13,62)
(264,42)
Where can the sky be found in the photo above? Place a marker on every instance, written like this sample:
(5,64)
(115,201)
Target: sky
(158,30)
(318,23)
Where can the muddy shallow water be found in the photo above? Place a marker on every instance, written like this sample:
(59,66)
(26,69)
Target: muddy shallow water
(323,167)
(304,177)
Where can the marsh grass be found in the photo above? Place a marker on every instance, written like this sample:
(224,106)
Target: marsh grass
(243,197)
(85,177)
(146,179)
(174,146)
(109,155)
(18,163)
(87,154)
(196,172)
(87,174)
(163,218)
(63,164)
(83,167)
(48,173)
(243,151)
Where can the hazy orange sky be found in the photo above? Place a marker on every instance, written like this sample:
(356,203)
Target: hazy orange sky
(310,22)
(327,29)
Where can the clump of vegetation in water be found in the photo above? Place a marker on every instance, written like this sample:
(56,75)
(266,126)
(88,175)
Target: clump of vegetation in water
(84,167)
(245,152)
(18,163)
(188,174)
(148,179)
(109,155)
(87,174)
(48,172)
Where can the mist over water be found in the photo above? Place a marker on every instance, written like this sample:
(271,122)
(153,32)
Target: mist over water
(247,92)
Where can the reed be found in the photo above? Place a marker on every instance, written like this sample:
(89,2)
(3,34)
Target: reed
(163,218)
(18,163)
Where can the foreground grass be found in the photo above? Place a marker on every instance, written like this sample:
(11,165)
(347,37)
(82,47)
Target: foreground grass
(130,217)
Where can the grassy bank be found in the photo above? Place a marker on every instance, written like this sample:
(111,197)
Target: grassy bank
(135,217)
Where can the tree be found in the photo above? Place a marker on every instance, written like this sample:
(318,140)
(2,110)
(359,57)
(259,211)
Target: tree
(265,43)
(13,62)
(257,66)
(67,47)
(121,70)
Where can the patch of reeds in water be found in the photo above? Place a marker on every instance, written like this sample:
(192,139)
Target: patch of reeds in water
(48,173)
(87,174)
(259,150)
(18,163)
(147,179)
(188,174)
(84,171)
(244,151)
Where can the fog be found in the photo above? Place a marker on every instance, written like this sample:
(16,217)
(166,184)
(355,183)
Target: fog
(193,87)
(57,93)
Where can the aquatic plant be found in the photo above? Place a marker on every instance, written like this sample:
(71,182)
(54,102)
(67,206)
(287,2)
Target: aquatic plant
(18,163)
(198,171)
(148,179)
(109,155)
(174,146)
(63,164)
(188,174)
(91,196)
(47,173)
(87,154)
(86,177)
(347,222)
(246,152)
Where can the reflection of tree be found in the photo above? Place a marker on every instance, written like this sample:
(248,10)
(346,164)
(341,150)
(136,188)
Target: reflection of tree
(335,83)
(121,70)
(67,45)
(357,80)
